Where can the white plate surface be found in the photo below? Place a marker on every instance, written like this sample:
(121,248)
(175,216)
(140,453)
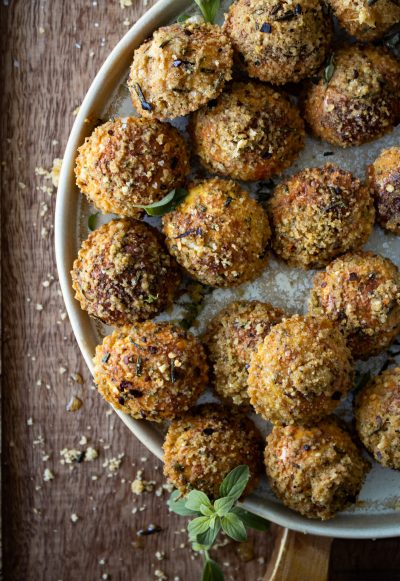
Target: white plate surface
(377,513)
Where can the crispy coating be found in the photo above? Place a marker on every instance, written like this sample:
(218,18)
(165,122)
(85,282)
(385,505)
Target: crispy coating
(279,42)
(378,417)
(316,471)
(219,234)
(319,214)
(202,447)
(152,371)
(179,69)
(124,273)
(300,372)
(366,19)
(250,132)
(361,101)
(231,337)
(360,293)
(132,161)
(383,179)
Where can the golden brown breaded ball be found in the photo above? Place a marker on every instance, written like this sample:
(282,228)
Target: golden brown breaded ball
(300,372)
(129,162)
(316,471)
(202,447)
(318,214)
(219,234)
(360,101)
(378,417)
(366,19)
(179,69)
(231,337)
(250,132)
(383,179)
(124,273)
(152,371)
(279,42)
(360,293)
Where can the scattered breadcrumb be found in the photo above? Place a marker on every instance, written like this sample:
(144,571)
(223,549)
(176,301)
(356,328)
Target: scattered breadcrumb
(160,555)
(55,171)
(139,485)
(29,422)
(113,464)
(160,575)
(74,404)
(48,475)
(125,3)
(74,517)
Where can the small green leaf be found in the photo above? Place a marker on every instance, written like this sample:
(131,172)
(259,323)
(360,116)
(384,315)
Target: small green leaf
(198,525)
(209,9)
(329,70)
(177,505)
(250,520)
(207,538)
(212,571)
(92,220)
(234,527)
(167,204)
(224,505)
(183,17)
(195,499)
(235,482)
(207,510)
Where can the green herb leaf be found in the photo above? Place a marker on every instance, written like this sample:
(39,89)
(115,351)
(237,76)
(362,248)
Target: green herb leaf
(178,505)
(207,510)
(224,505)
(209,9)
(92,220)
(234,527)
(207,538)
(183,17)
(167,204)
(329,70)
(235,482)
(197,526)
(250,520)
(195,499)
(212,571)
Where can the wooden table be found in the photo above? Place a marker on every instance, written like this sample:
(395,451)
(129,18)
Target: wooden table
(50,52)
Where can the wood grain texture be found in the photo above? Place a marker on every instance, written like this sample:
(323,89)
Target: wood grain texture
(50,51)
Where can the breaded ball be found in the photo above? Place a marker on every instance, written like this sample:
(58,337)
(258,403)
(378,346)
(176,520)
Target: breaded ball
(129,162)
(152,371)
(366,19)
(383,179)
(360,293)
(219,234)
(279,42)
(316,471)
(250,132)
(300,372)
(202,447)
(378,417)
(124,273)
(231,337)
(179,69)
(358,98)
(319,214)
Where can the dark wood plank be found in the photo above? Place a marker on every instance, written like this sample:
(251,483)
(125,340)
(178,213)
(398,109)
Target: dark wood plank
(50,53)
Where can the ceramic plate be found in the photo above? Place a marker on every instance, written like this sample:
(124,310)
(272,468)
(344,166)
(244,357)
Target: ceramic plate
(377,512)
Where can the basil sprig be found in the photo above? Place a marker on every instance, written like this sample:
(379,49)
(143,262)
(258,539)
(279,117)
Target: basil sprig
(211,517)
(167,204)
(209,9)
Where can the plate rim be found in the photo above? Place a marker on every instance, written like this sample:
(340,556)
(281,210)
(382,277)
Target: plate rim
(65,227)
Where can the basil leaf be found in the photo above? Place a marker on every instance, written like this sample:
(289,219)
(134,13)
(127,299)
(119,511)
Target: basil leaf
(224,505)
(197,526)
(167,204)
(195,499)
(250,520)
(177,505)
(207,510)
(212,571)
(209,9)
(207,538)
(234,527)
(329,70)
(235,482)
(92,221)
